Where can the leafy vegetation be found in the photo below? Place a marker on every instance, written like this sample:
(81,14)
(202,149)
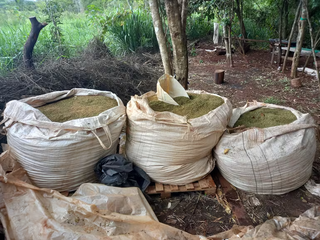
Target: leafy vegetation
(125,26)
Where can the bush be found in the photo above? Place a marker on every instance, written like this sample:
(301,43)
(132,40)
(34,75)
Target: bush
(254,31)
(198,27)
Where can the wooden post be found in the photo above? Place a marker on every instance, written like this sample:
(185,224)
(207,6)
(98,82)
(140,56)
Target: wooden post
(31,41)
(290,37)
(296,56)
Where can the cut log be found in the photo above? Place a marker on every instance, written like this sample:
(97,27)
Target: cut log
(219,76)
(31,41)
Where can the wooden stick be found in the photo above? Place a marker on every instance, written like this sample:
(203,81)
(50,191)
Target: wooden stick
(290,37)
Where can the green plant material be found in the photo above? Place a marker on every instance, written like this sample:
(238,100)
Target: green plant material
(124,31)
(197,106)
(77,107)
(53,12)
(198,26)
(15,30)
(265,117)
(272,100)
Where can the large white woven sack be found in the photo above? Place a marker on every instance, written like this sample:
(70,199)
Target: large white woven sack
(171,148)
(273,160)
(61,156)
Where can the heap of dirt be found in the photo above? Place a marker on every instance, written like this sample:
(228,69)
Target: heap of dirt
(195,106)
(77,107)
(266,117)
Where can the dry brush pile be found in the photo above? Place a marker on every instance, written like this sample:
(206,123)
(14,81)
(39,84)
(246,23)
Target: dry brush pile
(96,69)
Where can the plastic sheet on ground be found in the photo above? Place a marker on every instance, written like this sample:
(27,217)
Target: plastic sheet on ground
(306,226)
(95,211)
(312,187)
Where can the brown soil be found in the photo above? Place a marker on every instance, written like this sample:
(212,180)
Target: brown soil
(251,78)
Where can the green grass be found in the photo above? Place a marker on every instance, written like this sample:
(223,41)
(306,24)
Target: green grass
(14,33)
(272,100)
(129,31)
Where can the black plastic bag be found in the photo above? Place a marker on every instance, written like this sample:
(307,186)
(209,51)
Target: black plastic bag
(115,170)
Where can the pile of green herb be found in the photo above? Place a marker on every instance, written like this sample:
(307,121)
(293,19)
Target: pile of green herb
(77,107)
(195,106)
(266,117)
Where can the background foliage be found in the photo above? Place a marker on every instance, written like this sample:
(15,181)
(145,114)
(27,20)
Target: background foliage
(125,26)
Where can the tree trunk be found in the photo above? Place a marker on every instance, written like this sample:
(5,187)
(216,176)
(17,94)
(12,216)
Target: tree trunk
(226,43)
(157,23)
(280,34)
(31,41)
(239,12)
(296,56)
(285,19)
(229,46)
(290,37)
(179,40)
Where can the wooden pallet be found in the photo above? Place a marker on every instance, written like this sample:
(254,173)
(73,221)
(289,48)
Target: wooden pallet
(206,184)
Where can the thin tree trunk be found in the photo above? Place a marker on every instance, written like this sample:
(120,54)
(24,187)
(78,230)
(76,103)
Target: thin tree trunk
(280,34)
(296,56)
(31,41)
(312,43)
(226,43)
(285,19)
(239,12)
(179,43)
(290,37)
(229,46)
(157,23)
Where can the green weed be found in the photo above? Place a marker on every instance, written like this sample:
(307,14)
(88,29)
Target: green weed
(271,100)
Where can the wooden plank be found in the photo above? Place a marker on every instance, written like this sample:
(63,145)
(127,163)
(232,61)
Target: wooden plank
(207,184)
(174,188)
(159,187)
(190,186)
(151,190)
(204,183)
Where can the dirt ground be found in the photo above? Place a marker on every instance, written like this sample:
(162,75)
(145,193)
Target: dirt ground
(252,78)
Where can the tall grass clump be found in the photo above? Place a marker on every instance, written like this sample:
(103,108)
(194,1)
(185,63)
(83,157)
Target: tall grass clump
(198,26)
(123,31)
(130,31)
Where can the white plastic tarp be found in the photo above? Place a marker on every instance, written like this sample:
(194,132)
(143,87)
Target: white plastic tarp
(94,212)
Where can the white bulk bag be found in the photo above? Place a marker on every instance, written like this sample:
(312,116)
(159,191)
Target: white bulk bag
(56,155)
(273,160)
(171,148)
